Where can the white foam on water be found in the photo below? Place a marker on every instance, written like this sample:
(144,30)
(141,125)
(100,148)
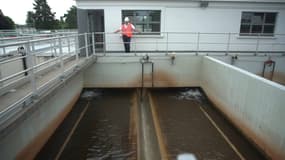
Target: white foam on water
(186,156)
(90,94)
(190,94)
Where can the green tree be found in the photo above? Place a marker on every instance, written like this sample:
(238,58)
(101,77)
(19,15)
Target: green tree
(30,21)
(44,18)
(71,18)
(6,22)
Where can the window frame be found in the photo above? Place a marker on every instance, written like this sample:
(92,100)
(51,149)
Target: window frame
(263,24)
(134,14)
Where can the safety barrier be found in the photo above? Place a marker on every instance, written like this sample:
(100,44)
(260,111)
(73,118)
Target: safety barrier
(36,66)
(192,42)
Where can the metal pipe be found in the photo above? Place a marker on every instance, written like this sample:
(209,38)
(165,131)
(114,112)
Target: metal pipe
(198,41)
(167,43)
(86,45)
(257,44)
(77,50)
(68,45)
(61,56)
(228,43)
(93,43)
(31,72)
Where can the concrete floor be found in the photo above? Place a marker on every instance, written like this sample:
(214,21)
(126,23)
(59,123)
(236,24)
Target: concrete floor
(16,94)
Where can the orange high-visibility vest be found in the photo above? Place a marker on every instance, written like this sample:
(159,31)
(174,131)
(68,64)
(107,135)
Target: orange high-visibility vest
(128,31)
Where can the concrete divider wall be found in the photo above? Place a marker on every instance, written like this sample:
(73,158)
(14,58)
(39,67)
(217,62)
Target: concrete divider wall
(255,105)
(30,134)
(110,72)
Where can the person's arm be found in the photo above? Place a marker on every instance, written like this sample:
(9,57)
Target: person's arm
(118,30)
(138,31)
(134,29)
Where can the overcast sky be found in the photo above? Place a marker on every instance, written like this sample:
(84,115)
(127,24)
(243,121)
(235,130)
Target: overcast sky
(17,9)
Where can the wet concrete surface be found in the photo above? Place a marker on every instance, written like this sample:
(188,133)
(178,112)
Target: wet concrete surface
(102,133)
(186,128)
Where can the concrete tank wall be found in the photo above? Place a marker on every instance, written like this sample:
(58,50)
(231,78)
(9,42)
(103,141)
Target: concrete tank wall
(255,105)
(127,72)
(30,134)
(254,64)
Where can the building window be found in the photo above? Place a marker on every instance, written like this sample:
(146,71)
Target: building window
(147,21)
(257,23)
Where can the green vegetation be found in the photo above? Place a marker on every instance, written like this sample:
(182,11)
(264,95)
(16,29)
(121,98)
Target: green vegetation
(6,22)
(71,18)
(43,18)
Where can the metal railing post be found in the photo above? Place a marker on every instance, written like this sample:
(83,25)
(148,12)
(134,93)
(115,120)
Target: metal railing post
(156,45)
(257,44)
(61,56)
(31,65)
(68,44)
(93,43)
(55,48)
(86,44)
(33,44)
(76,48)
(51,48)
(166,42)
(228,43)
(198,42)
(135,46)
(104,43)
(4,51)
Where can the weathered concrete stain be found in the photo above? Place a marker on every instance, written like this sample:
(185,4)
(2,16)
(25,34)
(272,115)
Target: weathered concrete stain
(164,79)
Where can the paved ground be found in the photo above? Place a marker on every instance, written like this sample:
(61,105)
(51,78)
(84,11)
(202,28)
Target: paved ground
(17,93)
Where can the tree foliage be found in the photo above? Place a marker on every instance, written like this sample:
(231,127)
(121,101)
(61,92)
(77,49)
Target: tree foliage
(6,22)
(71,18)
(30,21)
(43,17)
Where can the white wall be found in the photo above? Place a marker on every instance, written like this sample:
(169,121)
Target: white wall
(189,17)
(252,103)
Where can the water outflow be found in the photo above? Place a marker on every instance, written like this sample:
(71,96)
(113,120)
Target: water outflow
(154,124)
(100,127)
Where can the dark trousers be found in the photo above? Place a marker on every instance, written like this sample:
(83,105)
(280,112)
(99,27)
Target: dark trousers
(127,41)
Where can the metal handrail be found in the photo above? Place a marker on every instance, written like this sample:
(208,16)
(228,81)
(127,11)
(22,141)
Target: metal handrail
(15,108)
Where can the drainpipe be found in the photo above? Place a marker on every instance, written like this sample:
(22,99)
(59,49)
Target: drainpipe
(146,60)
(172,57)
(233,59)
(269,63)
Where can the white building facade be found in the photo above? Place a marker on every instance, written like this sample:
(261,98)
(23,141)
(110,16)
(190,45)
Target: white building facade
(188,25)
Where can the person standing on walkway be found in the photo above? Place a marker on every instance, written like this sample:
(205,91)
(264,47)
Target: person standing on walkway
(127,30)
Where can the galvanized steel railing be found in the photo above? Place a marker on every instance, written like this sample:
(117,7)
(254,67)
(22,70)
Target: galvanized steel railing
(59,49)
(193,42)
(59,54)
